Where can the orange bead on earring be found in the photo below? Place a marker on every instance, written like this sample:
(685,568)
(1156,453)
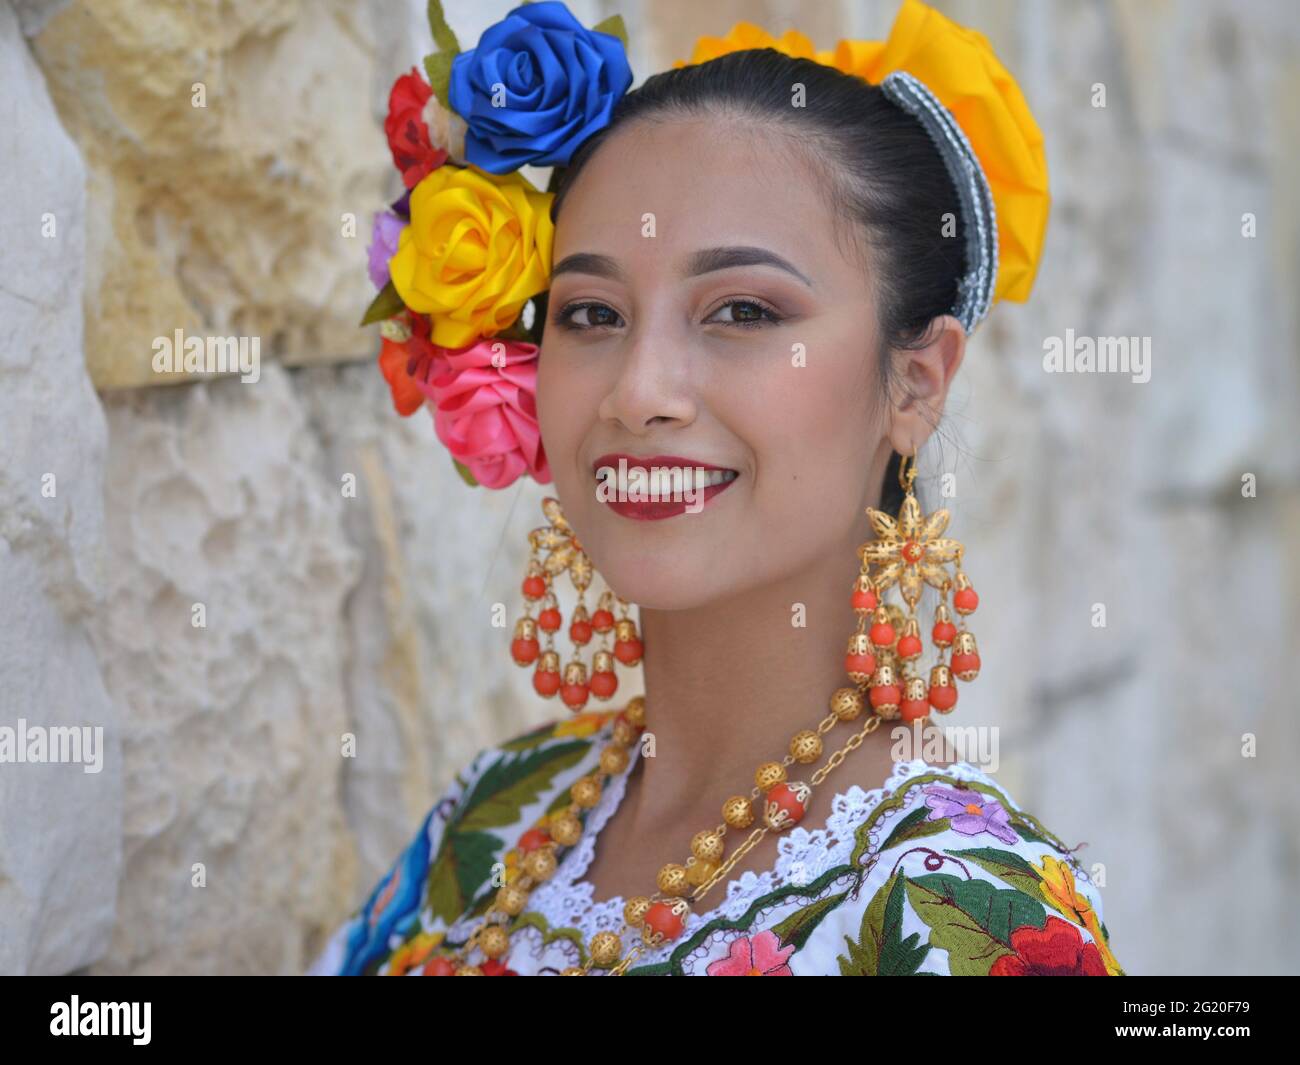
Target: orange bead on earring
(571,680)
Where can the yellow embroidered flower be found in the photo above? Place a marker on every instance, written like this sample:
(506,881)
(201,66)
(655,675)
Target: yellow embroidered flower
(412,953)
(478,246)
(959,66)
(1062,894)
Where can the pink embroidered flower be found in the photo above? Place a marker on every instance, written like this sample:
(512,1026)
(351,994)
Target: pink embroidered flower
(484,409)
(760,956)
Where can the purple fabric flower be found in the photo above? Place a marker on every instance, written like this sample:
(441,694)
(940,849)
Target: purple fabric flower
(970,812)
(383,245)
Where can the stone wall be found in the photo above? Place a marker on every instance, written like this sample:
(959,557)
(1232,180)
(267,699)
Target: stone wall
(128,500)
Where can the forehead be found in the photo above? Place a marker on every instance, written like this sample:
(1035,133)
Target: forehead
(703,182)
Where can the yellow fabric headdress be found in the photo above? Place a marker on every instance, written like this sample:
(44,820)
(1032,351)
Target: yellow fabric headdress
(959,67)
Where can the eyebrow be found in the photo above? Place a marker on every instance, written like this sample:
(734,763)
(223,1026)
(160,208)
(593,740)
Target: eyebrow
(705,261)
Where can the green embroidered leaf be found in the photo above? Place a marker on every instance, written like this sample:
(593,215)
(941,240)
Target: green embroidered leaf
(384,305)
(1027,831)
(1006,865)
(437,66)
(881,949)
(915,826)
(799,925)
(443,36)
(550,935)
(464,862)
(513,782)
(614,27)
(971,919)
(763,904)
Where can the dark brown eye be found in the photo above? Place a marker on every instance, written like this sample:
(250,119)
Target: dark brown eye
(747,313)
(596,315)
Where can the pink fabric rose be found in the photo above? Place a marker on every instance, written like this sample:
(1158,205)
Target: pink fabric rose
(485,412)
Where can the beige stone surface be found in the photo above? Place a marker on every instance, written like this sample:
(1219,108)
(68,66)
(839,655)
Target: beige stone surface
(226,219)
(60,825)
(367,613)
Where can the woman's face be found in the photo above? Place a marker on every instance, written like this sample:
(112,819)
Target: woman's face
(658,343)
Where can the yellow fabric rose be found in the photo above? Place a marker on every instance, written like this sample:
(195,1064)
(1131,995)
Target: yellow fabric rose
(959,66)
(478,246)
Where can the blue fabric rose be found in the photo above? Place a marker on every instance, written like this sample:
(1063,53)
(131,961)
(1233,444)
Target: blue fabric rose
(560,82)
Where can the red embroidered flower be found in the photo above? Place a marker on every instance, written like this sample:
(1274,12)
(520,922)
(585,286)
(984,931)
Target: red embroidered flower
(1056,949)
(492,967)
(762,955)
(408,135)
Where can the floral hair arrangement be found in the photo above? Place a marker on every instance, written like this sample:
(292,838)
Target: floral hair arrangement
(462,260)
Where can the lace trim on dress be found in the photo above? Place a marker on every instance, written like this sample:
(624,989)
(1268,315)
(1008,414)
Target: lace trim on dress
(566,901)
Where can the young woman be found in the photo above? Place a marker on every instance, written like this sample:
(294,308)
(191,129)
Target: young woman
(764,268)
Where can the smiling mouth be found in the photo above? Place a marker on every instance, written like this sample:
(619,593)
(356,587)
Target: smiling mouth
(650,491)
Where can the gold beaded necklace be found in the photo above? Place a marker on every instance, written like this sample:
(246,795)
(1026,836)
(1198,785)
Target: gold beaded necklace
(660,916)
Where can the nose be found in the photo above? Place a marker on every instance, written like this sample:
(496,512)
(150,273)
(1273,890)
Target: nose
(653,387)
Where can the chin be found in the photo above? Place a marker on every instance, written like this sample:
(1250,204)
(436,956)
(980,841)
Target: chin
(656,580)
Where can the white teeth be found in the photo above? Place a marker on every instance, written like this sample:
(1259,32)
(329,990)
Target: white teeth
(666,480)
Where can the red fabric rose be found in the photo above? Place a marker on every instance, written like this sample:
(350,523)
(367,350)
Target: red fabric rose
(1056,949)
(408,135)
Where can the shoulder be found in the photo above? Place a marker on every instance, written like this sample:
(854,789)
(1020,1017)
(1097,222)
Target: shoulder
(445,872)
(953,877)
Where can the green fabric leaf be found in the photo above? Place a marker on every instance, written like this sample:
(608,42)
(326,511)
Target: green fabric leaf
(971,919)
(437,66)
(881,949)
(614,27)
(443,36)
(1007,866)
(385,305)
(463,470)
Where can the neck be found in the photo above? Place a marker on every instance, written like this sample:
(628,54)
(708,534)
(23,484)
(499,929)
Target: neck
(728,685)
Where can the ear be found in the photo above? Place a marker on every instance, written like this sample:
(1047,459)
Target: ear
(925,373)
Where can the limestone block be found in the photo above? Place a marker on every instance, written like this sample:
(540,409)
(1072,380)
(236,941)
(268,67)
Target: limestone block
(223,637)
(60,835)
(247,216)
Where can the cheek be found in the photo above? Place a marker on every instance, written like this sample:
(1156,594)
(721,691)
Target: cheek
(812,426)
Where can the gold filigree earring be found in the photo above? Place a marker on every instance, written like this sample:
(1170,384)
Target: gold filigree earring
(883,655)
(564,554)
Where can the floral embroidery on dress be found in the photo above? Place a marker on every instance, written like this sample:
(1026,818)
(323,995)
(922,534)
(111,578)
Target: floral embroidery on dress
(762,955)
(937,872)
